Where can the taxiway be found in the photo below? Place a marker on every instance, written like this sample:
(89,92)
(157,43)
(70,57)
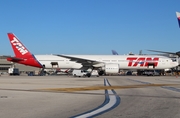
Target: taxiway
(66,96)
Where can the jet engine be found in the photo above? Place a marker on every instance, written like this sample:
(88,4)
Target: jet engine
(111,68)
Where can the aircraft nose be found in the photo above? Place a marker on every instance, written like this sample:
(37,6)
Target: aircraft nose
(174,64)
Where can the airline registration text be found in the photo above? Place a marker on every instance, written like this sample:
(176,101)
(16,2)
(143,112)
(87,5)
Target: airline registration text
(142,61)
(19,46)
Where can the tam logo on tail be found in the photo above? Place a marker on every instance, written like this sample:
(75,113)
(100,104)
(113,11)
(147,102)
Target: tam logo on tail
(19,46)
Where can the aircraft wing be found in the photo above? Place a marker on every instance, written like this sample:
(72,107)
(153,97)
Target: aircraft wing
(162,52)
(83,61)
(13,58)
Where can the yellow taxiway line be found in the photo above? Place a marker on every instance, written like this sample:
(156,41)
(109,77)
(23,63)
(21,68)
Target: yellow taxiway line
(91,88)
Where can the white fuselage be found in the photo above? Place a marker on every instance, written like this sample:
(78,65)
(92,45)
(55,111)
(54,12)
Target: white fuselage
(124,61)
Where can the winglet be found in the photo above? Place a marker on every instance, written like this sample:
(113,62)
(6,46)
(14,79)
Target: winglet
(178,18)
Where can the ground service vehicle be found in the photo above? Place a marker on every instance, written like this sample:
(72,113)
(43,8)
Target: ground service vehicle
(13,71)
(95,73)
(151,73)
(80,73)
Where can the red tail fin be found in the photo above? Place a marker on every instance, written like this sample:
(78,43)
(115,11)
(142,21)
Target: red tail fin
(178,17)
(22,54)
(19,49)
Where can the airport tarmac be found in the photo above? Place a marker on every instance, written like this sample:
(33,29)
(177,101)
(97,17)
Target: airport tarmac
(101,97)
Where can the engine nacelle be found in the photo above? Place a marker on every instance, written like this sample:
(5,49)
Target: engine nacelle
(111,68)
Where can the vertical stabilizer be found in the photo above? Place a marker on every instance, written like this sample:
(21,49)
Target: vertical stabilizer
(22,54)
(114,52)
(19,49)
(178,18)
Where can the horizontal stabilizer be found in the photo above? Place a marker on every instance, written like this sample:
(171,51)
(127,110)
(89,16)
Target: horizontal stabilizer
(9,58)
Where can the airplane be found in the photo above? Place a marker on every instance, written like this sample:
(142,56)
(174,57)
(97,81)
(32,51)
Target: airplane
(178,17)
(103,63)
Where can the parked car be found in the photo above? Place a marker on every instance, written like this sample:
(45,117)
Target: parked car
(129,73)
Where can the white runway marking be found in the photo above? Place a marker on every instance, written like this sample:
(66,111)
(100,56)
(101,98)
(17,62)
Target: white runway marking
(111,101)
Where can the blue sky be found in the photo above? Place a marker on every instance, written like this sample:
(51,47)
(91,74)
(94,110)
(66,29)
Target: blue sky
(90,26)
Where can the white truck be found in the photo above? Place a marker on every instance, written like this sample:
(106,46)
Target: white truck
(80,73)
(13,71)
